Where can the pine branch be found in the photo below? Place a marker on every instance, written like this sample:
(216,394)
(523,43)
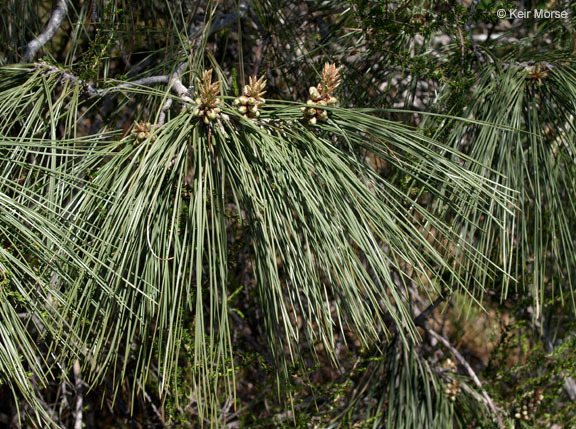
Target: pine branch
(53,25)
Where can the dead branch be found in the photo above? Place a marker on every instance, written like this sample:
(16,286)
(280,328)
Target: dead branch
(79,396)
(471,373)
(53,25)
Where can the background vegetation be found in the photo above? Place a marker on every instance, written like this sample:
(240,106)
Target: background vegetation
(406,259)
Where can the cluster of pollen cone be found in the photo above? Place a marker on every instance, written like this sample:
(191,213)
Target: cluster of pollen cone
(207,102)
(322,95)
(141,131)
(249,102)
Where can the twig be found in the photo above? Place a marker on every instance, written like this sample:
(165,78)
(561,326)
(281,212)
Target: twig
(180,89)
(249,405)
(470,372)
(49,409)
(79,396)
(148,399)
(145,81)
(421,318)
(176,83)
(66,76)
(162,116)
(92,91)
(53,25)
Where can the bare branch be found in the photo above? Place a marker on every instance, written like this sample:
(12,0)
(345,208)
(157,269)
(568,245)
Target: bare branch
(53,25)
(176,83)
(421,318)
(154,407)
(180,89)
(92,91)
(470,372)
(66,76)
(79,396)
(162,116)
(146,81)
